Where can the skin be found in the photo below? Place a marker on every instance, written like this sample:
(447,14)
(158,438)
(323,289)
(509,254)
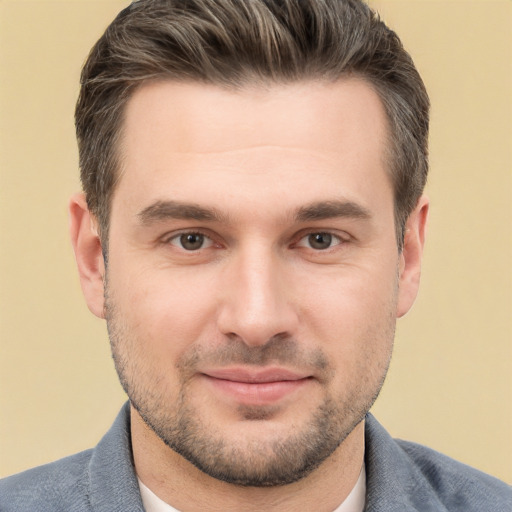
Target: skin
(255,175)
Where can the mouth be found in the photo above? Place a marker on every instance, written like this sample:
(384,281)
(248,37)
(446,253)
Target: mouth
(255,387)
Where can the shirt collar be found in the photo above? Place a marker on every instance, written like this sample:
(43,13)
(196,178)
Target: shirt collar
(354,502)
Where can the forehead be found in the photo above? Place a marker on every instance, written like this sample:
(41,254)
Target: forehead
(197,117)
(187,139)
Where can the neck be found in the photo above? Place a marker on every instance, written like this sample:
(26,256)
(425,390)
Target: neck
(180,484)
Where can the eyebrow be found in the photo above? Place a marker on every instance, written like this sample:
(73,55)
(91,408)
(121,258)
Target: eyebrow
(332,209)
(165,210)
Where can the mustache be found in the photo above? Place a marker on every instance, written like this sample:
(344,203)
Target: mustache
(281,350)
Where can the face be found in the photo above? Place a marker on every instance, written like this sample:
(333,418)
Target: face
(253,276)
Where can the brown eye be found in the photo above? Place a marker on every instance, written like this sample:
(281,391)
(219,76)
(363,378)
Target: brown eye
(320,241)
(191,241)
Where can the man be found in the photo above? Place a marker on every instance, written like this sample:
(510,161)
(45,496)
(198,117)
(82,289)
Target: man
(251,227)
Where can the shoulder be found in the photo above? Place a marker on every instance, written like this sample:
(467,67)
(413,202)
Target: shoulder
(57,486)
(102,479)
(456,483)
(404,476)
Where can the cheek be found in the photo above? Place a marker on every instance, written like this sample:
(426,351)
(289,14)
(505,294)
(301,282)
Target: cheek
(162,310)
(351,313)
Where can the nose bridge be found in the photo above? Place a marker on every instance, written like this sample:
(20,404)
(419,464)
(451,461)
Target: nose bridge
(256,305)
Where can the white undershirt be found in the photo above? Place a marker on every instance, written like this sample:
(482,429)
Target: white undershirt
(354,502)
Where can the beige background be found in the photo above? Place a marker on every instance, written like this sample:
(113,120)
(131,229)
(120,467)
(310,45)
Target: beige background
(450,384)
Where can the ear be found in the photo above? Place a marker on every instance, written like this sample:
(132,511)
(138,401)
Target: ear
(88,254)
(410,259)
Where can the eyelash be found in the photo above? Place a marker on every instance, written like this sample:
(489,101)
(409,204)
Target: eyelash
(178,236)
(337,239)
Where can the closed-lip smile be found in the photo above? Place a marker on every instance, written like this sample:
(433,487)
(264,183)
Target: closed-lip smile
(262,386)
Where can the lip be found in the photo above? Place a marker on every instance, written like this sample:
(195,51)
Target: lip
(255,387)
(250,376)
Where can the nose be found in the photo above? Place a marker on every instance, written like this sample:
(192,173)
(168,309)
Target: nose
(257,303)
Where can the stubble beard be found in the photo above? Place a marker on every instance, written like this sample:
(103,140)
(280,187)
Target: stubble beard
(272,461)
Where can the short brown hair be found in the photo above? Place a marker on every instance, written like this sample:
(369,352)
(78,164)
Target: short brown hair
(236,42)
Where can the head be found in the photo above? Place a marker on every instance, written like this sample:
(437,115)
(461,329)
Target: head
(255,166)
(234,44)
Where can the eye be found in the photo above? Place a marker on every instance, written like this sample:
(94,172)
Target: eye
(191,241)
(320,241)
